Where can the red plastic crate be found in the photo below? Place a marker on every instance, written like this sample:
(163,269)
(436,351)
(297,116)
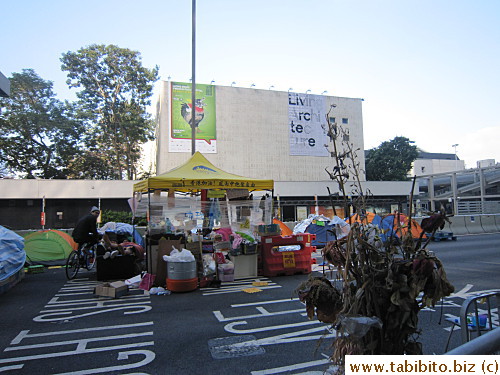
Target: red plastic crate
(281,263)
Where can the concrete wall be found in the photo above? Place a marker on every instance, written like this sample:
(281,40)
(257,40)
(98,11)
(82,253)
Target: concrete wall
(423,167)
(253,135)
(64,189)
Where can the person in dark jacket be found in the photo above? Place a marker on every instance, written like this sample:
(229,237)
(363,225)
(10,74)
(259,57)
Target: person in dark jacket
(86,229)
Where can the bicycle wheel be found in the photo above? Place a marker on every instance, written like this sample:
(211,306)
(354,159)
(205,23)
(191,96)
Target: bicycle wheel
(72,265)
(90,256)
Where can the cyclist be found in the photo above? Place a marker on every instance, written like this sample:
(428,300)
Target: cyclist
(85,231)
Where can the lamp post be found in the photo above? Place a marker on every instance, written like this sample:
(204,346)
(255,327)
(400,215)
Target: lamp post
(456,159)
(193,76)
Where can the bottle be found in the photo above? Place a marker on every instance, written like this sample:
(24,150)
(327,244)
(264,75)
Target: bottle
(168,225)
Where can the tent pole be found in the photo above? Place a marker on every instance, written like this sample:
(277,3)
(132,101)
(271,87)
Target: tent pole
(148,237)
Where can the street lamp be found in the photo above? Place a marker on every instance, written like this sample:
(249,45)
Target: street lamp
(456,159)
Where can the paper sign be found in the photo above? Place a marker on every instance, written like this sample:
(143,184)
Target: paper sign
(288,259)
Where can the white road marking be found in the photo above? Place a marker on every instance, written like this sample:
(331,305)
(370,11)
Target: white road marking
(25,334)
(221,317)
(149,357)
(265,302)
(230,327)
(79,350)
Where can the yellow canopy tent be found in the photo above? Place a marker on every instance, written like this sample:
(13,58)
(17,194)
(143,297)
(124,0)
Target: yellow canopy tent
(198,174)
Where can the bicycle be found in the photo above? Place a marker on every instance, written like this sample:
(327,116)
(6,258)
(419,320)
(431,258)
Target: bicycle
(84,256)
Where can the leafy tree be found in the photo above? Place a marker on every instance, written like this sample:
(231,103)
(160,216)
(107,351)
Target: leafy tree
(38,134)
(122,217)
(391,161)
(115,90)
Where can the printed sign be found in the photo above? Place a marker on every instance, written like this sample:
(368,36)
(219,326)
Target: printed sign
(180,136)
(307,118)
(288,260)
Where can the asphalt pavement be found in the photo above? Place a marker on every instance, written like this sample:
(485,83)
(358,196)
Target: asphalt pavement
(55,326)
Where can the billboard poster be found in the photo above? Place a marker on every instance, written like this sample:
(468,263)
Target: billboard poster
(204,119)
(307,118)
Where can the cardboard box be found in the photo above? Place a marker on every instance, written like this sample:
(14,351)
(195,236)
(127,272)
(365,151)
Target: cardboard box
(114,289)
(244,265)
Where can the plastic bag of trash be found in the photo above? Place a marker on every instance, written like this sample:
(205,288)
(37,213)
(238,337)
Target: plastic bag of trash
(208,265)
(134,281)
(358,326)
(179,256)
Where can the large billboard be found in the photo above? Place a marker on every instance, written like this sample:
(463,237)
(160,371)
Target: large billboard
(180,135)
(307,125)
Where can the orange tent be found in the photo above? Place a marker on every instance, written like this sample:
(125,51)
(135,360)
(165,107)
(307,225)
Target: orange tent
(285,231)
(356,218)
(399,223)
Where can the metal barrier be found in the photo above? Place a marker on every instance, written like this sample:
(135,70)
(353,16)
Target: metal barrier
(478,315)
(477,310)
(489,343)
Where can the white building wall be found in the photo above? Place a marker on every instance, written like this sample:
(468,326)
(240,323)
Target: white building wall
(65,189)
(485,163)
(423,167)
(253,135)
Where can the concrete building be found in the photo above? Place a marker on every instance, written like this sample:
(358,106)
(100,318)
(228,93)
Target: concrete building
(255,133)
(428,163)
(486,163)
(270,135)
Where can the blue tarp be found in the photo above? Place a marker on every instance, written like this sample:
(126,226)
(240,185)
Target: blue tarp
(12,254)
(324,233)
(324,228)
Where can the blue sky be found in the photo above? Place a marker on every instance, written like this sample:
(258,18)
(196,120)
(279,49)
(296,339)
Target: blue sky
(428,70)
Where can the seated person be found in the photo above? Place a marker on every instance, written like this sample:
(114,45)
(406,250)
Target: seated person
(125,248)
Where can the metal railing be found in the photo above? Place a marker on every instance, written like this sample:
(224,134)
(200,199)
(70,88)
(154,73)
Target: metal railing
(479,323)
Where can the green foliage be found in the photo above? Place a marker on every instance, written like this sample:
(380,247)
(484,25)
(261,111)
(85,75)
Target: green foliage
(114,91)
(121,217)
(391,161)
(38,133)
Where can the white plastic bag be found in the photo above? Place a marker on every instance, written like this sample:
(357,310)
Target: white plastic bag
(179,256)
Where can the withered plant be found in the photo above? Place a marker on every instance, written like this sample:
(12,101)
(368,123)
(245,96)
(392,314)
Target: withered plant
(380,286)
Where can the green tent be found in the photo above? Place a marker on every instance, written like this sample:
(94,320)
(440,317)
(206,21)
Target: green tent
(48,247)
